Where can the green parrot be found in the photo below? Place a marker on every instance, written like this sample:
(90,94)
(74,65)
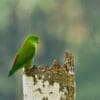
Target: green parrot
(26,54)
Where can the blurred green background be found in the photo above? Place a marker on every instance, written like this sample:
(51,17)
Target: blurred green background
(61,25)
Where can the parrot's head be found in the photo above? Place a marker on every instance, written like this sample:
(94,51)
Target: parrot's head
(34,39)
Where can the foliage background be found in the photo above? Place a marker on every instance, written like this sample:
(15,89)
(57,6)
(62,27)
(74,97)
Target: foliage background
(61,25)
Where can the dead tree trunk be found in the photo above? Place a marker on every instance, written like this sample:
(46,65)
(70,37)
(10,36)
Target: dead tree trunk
(54,82)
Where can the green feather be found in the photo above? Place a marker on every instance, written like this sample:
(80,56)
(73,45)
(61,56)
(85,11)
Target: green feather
(25,54)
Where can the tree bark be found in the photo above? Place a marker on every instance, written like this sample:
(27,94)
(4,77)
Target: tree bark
(51,82)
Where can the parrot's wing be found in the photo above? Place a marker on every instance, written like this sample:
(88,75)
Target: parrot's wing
(23,57)
(15,61)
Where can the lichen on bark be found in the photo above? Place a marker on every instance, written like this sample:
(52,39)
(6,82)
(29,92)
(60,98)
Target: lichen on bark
(54,76)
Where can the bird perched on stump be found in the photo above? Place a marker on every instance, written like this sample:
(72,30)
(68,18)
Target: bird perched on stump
(26,54)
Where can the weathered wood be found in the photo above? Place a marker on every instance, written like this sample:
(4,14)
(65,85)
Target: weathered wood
(51,82)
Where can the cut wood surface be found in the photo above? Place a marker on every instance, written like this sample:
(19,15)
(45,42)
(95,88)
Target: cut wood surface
(51,82)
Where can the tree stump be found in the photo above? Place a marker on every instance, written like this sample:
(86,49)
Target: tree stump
(51,82)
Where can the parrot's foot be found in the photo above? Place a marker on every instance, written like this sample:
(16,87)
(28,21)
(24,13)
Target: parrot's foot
(28,71)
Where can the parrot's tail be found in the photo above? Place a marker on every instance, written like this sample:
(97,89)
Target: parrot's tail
(10,73)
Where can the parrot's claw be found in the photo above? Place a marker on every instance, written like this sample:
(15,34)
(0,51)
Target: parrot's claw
(28,71)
